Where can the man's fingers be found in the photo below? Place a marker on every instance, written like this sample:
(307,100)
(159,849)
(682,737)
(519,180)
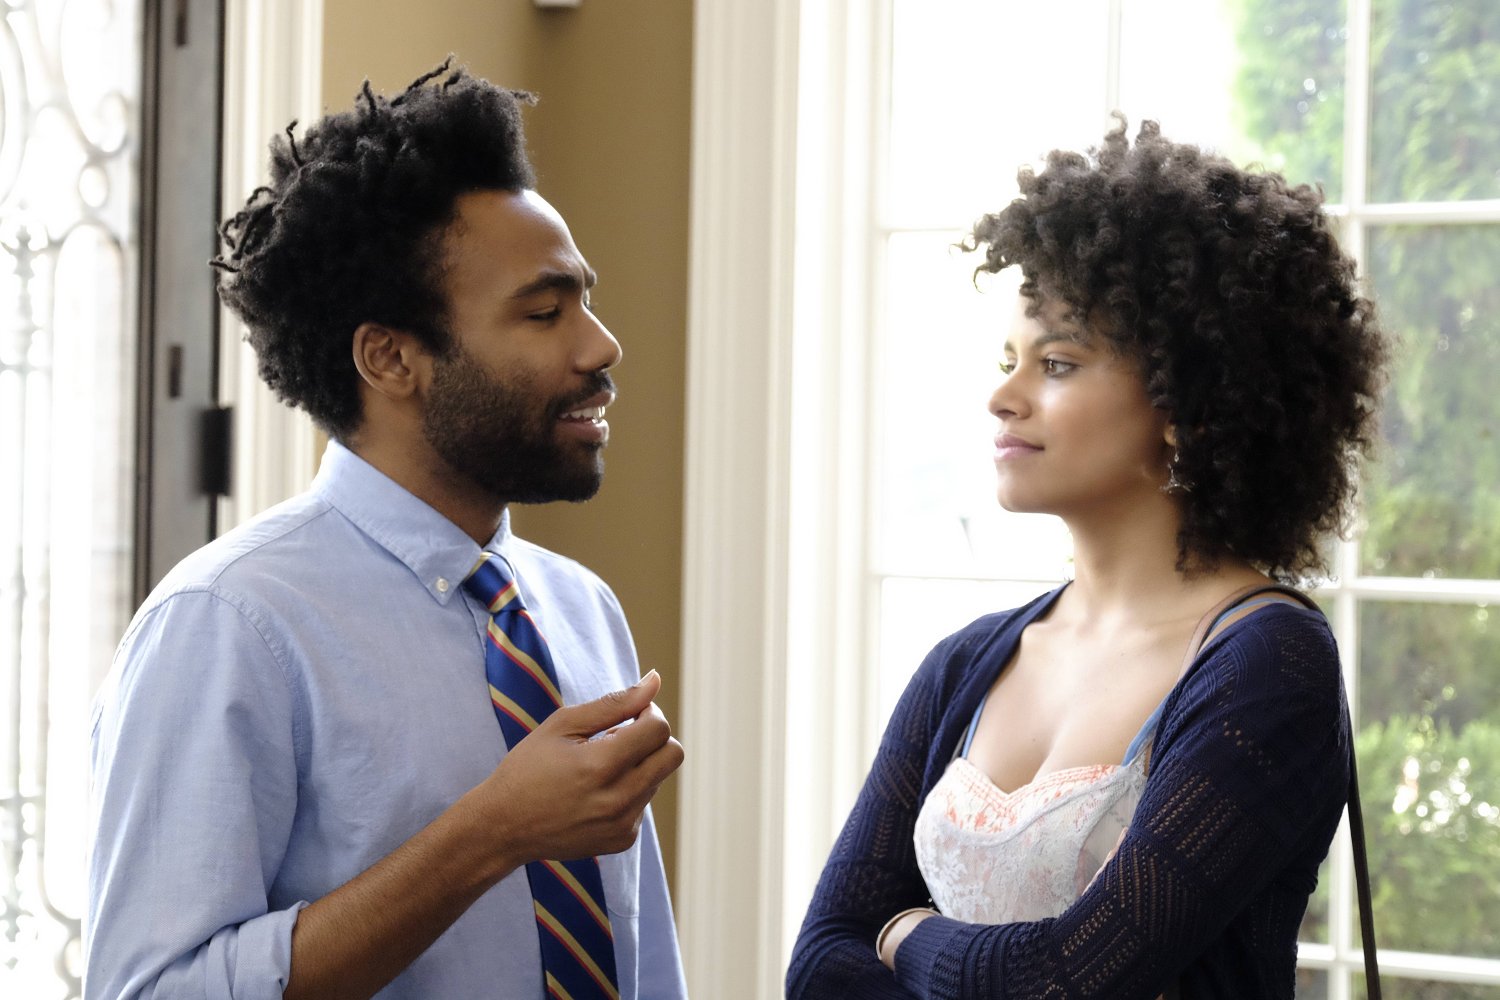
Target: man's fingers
(614,708)
(655,769)
(628,746)
(659,766)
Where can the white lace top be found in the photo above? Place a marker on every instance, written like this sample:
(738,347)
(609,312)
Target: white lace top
(994,857)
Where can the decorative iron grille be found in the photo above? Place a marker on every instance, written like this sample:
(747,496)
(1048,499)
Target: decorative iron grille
(68,152)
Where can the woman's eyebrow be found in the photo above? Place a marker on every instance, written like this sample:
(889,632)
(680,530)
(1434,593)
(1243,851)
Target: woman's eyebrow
(1046,337)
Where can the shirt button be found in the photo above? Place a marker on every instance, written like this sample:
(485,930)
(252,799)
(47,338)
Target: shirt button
(442,585)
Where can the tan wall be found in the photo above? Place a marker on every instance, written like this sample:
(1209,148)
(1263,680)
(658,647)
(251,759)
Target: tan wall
(609,141)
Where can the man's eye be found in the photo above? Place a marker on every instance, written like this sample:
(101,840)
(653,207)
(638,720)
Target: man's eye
(546,315)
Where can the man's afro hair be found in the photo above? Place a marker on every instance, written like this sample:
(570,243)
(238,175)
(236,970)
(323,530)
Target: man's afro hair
(349,230)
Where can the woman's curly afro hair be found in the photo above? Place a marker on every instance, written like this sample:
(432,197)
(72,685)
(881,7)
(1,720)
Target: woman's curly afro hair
(349,230)
(1228,288)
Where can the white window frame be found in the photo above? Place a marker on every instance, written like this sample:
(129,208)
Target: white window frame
(1342,956)
(771,610)
(780,591)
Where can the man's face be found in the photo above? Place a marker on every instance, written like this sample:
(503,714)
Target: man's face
(516,405)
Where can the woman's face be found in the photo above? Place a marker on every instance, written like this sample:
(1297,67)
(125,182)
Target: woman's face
(1077,432)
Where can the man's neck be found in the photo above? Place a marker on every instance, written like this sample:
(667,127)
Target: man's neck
(416,468)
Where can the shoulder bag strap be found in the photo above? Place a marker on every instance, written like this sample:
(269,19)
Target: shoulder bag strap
(1362,882)
(1205,628)
(1356,816)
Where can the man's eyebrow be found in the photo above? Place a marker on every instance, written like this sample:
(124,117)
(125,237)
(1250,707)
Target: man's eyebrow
(566,281)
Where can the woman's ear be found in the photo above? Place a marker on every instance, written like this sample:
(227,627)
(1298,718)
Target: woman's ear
(1170,434)
(391,362)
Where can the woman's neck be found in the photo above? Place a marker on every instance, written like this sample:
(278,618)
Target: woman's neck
(1125,568)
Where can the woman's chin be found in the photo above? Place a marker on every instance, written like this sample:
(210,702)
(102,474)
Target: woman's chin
(1011,502)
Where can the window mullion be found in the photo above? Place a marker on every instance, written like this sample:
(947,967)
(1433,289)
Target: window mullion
(1116,17)
(1346,617)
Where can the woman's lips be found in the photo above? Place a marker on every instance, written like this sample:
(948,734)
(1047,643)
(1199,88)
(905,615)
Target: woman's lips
(1009,447)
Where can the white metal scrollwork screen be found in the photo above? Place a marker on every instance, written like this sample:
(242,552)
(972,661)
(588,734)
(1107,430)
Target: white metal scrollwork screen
(68,158)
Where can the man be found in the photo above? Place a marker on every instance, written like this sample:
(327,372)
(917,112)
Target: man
(301,787)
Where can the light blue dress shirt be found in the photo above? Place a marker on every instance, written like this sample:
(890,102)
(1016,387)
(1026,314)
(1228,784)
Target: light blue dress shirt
(291,704)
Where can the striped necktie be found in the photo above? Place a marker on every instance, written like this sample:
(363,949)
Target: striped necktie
(578,954)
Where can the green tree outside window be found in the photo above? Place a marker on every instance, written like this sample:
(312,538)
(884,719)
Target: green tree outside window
(1429,692)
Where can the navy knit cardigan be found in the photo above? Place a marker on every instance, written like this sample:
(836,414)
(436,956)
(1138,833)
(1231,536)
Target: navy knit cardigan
(1248,781)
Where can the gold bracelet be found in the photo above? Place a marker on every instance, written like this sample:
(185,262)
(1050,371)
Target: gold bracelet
(886,930)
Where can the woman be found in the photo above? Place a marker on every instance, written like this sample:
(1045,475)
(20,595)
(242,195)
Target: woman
(1072,799)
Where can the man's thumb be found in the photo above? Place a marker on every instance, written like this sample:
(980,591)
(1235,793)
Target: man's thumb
(612,709)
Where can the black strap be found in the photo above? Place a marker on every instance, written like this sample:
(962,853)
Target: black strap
(1356,816)
(1362,883)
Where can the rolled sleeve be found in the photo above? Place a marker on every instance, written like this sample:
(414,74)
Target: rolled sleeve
(194,795)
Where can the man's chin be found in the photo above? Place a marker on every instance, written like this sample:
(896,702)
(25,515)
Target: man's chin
(569,496)
(583,485)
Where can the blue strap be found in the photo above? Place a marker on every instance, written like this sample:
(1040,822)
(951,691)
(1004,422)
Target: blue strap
(1144,736)
(964,744)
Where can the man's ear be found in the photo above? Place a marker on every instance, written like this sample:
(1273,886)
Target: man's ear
(391,362)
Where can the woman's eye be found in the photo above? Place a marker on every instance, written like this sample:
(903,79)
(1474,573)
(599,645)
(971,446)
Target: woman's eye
(1052,366)
(1007,367)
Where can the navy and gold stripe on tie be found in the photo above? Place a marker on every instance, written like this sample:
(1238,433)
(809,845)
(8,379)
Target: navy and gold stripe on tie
(573,929)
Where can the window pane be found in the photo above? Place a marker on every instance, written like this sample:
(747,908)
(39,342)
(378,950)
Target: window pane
(68,152)
(1432,505)
(1193,93)
(1436,72)
(965,113)
(1429,762)
(1315,921)
(916,614)
(1289,88)
(935,499)
(1312,984)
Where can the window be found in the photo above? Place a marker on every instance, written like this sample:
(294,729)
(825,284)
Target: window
(106,184)
(68,259)
(1386,104)
(821,269)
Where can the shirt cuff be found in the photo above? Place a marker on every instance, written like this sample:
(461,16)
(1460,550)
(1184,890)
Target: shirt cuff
(256,955)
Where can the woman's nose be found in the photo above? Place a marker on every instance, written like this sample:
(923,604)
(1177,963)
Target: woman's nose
(1006,400)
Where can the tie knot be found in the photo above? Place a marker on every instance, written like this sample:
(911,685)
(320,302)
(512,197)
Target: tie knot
(492,584)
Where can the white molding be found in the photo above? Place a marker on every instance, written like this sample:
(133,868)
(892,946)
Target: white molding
(273,64)
(736,535)
(774,641)
(829,657)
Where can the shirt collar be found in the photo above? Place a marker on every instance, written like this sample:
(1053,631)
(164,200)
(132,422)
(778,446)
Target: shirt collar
(435,549)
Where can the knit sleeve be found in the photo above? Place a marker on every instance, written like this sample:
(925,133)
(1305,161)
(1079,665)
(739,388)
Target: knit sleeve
(872,873)
(1247,785)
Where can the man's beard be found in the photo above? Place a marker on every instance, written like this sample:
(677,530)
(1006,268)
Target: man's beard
(499,434)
